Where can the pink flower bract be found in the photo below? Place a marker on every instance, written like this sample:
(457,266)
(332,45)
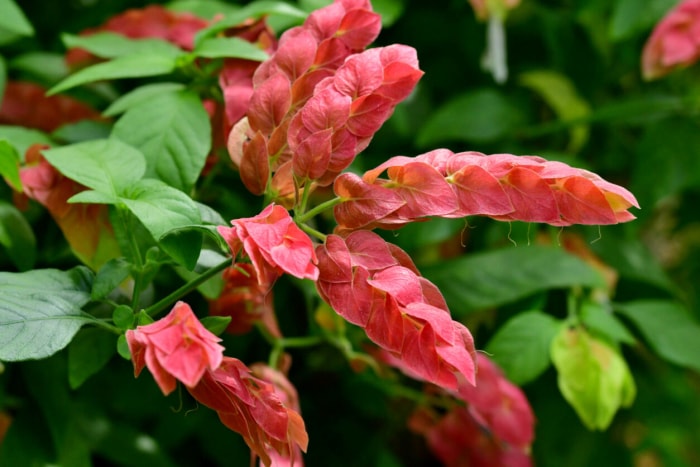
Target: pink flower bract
(176,347)
(274,244)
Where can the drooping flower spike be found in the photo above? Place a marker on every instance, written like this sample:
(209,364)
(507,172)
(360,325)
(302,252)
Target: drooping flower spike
(502,186)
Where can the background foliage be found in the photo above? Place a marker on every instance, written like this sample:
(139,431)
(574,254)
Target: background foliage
(574,94)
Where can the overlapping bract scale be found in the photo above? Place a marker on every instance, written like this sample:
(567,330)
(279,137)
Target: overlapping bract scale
(502,186)
(376,286)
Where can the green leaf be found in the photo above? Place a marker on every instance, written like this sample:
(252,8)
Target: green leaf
(88,353)
(123,347)
(559,93)
(113,45)
(601,320)
(40,311)
(108,278)
(216,324)
(592,377)
(84,130)
(140,65)
(522,345)
(668,328)
(208,259)
(22,138)
(494,278)
(479,116)
(47,67)
(164,210)
(123,317)
(253,10)
(174,133)
(17,237)
(107,166)
(206,9)
(229,47)
(140,94)
(93,197)
(9,165)
(12,19)
(631,17)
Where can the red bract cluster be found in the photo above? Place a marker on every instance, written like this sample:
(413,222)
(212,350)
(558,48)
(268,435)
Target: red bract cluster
(496,428)
(26,104)
(245,300)
(675,41)
(274,244)
(376,286)
(253,407)
(175,348)
(178,348)
(318,100)
(153,21)
(501,186)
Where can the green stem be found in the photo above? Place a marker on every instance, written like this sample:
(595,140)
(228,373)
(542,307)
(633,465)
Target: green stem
(313,232)
(103,324)
(164,303)
(305,216)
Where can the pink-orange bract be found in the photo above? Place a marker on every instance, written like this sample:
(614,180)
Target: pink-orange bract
(502,186)
(374,285)
(274,244)
(496,427)
(253,407)
(175,348)
(675,41)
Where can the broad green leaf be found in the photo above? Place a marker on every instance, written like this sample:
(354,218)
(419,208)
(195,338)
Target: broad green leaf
(107,166)
(498,277)
(601,319)
(138,95)
(12,19)
(592,377)
(40,311)
(173,132)
(166,213)
(113,45)
(9,165)
(84,130)
(668,328)
(93,197)
(88,352)
(108,278)
(123,317)
(252,10)
(140,65)
(631,17)
(479,116)
(22,138)
(521,347)
(17,237)
(47,67)
(560,94)
(229,47)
